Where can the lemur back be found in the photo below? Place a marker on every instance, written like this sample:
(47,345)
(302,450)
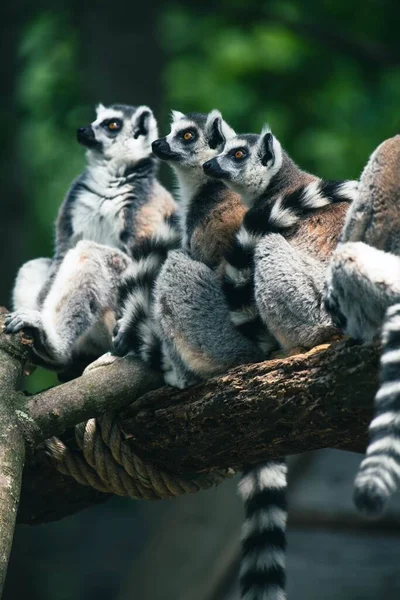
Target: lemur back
(118,203)
(363,295)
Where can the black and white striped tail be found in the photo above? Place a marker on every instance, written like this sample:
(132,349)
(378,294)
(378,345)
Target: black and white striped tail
(138,332)
(262,569)
(379,474)
(278,216)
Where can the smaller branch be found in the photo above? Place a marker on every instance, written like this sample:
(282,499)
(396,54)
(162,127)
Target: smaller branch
(105,387)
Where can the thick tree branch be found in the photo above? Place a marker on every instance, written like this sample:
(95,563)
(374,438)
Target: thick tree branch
(322,398)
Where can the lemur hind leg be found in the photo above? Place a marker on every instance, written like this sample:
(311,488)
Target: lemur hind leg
(193,316)
(30,280)
(81,302)
(362,282)
(288,292)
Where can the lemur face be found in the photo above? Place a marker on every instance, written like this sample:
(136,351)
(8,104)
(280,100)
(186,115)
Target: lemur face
(194,138)
(247,164)
(120,132)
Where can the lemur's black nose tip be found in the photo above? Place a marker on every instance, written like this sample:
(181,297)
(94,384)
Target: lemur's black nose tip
(156,143)
(207,167)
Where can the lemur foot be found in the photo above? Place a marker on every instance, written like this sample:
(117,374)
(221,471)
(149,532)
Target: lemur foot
(122,338)
(22,319)
(104,361)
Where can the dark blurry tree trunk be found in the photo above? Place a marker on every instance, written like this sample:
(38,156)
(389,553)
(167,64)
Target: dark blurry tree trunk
(121,58)
(12,224)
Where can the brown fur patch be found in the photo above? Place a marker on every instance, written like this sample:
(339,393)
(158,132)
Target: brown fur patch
(215,235)
(318,234)
(160,205)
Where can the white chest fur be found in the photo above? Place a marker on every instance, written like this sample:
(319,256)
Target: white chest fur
(102,218)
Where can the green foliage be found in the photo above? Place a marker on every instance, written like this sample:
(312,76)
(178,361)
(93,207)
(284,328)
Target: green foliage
(320,73)
(50,99)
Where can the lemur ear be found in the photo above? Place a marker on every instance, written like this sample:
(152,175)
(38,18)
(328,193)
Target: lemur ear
(100,108)
(215,136)
(176,116)
(144,123)
(266,147)
(217,130)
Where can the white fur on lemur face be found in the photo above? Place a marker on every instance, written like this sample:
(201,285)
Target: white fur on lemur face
(120,133)
(194,138)
(247,164)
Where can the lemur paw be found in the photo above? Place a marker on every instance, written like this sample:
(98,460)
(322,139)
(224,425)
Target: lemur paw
(104,361)
(122,343)
(332,306)
(21,319)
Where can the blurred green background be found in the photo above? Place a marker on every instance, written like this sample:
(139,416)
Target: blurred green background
(324,75)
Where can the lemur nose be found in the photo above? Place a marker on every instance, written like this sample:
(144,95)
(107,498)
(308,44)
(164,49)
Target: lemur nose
(157,143)
(207,167)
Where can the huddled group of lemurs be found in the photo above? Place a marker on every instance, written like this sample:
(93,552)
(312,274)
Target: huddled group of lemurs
(256,256)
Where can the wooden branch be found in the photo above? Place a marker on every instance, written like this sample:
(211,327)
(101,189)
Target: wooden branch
(12,448)
(319,399)
(323,398)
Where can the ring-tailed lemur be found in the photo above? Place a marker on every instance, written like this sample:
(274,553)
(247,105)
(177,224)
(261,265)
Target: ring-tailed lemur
(276,269)
(116,204)
(363,294)
(292,226)
(211,215)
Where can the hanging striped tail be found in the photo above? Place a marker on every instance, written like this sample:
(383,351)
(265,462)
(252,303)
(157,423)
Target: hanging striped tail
(379,473)
(262,570)
(137,331)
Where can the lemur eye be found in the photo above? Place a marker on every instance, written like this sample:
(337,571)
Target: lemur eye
(113,125)
(239,154)
(188,135)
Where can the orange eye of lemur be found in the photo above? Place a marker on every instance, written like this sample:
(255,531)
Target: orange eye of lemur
(187,136)
(113,125)
(239,154)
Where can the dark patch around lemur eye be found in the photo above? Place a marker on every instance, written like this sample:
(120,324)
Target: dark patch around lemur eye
(188,135)
(238,154)
(112,125)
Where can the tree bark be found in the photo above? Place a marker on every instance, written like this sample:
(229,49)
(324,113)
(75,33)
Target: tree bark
(12,449)
(322,398)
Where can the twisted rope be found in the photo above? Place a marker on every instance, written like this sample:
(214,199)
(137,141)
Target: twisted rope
(108,463)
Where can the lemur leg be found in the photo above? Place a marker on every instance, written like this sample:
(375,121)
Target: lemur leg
(288,292)
(82,296)
(30,280)
(193,316)
(362,282)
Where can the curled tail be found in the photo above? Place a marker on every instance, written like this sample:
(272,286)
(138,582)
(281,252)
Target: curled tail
(379,473)
(262,569)
(136,330)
